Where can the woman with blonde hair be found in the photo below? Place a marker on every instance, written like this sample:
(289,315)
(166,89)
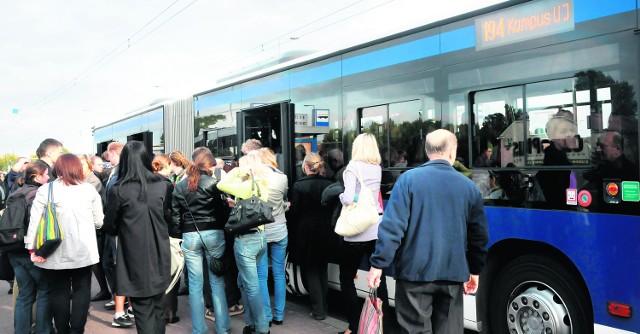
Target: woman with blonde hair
(249,248)
(98,270)
(277,239)
(87,172)
(364,166)
(309,230)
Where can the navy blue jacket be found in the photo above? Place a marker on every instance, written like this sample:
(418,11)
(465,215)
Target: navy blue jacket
(434,227)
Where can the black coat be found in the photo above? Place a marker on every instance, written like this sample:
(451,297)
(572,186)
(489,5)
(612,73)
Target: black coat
(143,260)
(331,202)
(309,223)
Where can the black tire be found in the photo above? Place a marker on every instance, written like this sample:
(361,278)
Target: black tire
(532,293)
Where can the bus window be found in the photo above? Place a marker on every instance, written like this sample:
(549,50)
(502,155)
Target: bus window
(498,122)
(400,129)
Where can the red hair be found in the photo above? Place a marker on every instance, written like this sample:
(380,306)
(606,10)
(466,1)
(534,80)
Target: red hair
(68,168)
(203,164)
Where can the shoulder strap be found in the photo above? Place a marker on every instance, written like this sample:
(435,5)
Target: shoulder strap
(254,184)
(186,205)
(50,194)
(359,178)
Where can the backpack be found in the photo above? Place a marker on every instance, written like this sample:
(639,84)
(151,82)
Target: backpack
(13,224)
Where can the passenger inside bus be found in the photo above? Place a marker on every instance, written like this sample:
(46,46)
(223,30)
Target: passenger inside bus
(561,129)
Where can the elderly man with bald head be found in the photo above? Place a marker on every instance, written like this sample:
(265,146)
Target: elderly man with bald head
(434,234)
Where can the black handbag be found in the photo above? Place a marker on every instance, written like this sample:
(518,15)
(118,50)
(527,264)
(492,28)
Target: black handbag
(217,265)
(249,213)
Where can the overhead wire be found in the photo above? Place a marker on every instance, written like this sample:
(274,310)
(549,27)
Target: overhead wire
(118,50)
(260,48)
(109,57)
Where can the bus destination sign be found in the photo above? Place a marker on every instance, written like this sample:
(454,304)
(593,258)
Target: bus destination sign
(525,22)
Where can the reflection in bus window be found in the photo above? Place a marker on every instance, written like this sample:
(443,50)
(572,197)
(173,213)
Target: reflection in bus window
(400,130)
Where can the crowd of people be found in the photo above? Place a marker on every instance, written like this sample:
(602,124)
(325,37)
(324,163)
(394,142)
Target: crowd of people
(118,221)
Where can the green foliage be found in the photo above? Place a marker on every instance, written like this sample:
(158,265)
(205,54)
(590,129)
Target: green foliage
(7,161)
(622,93)
(207,122)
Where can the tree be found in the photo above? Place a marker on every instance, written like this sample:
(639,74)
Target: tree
(7,161)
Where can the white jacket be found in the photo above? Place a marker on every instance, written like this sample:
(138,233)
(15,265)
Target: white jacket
(79,211)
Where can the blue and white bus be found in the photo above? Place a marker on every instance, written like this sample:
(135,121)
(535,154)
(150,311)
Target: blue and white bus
(541,96)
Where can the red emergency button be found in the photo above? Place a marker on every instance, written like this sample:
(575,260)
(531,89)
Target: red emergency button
(612,189)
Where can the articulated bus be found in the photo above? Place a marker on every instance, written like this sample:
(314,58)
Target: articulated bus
(541,96)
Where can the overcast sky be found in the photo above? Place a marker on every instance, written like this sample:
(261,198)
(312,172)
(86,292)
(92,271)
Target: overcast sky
(66,66)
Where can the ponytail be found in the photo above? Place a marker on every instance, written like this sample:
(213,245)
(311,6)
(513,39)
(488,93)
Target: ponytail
(314,163)
(203,163)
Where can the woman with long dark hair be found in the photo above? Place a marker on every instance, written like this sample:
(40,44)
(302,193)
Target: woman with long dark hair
(137,212)
(79,213)
(196,203)
(31,279)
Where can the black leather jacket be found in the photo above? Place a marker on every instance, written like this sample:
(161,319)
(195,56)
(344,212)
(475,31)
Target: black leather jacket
(206,205)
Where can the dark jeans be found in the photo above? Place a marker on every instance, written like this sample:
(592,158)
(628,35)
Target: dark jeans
(352,256)
(149,314)
(429,307)
(317,282)
(70,314)
(108,259)
(31,281)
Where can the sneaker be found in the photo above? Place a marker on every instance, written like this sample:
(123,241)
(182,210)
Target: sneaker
(110,306)
(236,309)
(209,315)
(130,312)
(122,321)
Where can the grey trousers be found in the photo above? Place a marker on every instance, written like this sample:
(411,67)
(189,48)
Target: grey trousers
(429,307)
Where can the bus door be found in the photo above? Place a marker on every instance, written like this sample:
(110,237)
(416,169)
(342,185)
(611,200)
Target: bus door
(146,138)
(272,125)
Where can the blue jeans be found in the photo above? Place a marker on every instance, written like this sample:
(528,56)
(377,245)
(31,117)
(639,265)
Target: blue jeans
(249,249)
(277,252)
(31,281)
(194,251)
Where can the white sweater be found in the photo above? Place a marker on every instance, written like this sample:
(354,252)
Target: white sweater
(79,211)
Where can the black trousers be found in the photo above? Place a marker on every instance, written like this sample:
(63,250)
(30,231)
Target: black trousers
(353,254)
(70,314)
(108,260)
(171,301)
(429,307)
(317,283)
(149,314)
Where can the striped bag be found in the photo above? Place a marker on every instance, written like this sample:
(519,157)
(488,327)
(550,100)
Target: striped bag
(371,316)
(49,235)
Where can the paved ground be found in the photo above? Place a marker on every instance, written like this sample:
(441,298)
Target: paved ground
(297,319)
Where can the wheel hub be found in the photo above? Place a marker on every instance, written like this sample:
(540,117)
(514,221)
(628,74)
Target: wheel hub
(537,311)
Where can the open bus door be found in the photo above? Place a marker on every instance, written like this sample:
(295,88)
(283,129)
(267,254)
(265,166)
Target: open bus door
(146,138)
(273,126)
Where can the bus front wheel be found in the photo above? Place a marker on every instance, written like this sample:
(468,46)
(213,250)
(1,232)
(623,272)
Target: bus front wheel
(534,294)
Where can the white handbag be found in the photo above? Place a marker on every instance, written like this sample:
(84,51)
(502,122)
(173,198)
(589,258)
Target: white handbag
(358,216)
(177,262)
